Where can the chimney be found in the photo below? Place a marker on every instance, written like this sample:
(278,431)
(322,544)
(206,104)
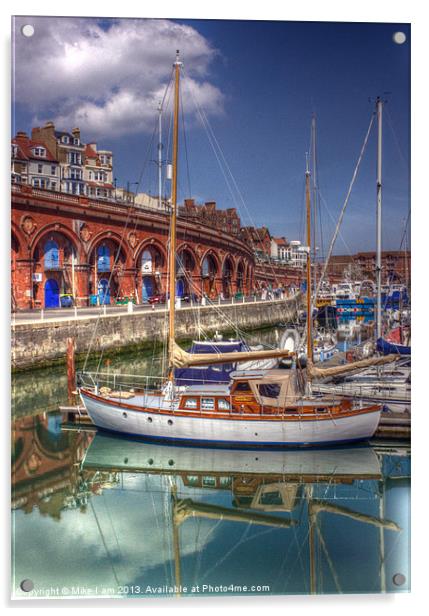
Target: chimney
(210,205)
(189,203)
(49,124)
(21,135)
(76,132)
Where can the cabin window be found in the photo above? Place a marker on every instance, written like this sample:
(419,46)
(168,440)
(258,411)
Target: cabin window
(223,405)
(207,404)
(242,386)
(191,403)
(269,390)
(209,482)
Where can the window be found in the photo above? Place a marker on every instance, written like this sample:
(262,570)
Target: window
(191,403)
(53,186)
(75,158)
(64,139)
(53,170)
(223,405)
(39,168)
(207,404)
(39,152)
(269,390)
(242,386)
(209,482)
(76,141)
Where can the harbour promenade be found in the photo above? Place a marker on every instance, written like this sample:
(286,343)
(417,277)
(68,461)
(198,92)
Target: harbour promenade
(40,339)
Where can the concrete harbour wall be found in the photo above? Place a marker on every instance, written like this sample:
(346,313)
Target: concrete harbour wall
(43,342)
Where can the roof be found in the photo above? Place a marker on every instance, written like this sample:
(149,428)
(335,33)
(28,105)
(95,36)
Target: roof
(90,152)
(100,184)
(25,147)
(280,241)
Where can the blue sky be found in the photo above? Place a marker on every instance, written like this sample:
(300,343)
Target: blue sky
(259,84)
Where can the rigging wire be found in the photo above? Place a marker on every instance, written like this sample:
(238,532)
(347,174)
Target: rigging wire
(343,209)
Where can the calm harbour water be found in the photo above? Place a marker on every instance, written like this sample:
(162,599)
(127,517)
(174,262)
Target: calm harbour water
(94,515)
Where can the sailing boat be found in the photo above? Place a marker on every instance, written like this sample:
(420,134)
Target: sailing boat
(256,408)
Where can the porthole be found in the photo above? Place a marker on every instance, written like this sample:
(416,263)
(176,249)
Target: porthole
(149,419)
(125,460)
(171,462)
(124,415)
(170,422)
(256,434)
(150,461)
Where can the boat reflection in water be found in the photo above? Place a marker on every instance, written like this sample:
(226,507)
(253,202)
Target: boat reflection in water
(165,520)
(324,507)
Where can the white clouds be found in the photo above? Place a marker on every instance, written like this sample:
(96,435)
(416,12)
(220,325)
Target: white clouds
(106,79)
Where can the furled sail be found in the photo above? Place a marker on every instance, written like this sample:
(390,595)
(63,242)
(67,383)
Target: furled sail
(181,358)
(313,372)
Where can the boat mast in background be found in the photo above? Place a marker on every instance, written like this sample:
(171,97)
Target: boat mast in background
(309,308)
(160,156)
(172,253)
(379,107)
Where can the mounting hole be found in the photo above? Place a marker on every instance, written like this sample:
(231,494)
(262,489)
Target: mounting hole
(149,419)
(27,585)
(399,579)
(27,30)
(399,38)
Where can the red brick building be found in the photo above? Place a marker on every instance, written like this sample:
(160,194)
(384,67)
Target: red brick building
(71,244)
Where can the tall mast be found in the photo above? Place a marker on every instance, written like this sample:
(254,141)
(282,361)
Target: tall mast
(309,310)
(159,155)
(172,256)
(379,106)
(314,178)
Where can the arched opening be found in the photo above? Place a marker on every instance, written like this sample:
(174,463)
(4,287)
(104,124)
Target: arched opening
(107,261)
(185,264)
(208,275)
(52,293)
(240,278)
(227,274)
(152,263)
(13,258)
(54,276)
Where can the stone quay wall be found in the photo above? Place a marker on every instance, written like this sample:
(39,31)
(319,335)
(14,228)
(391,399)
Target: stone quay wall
(41,343)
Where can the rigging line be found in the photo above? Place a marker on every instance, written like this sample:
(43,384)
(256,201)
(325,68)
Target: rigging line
(405,228)
(395,137)
(129,213)
(109,556)
(213,141)
(122,240)
(185,144)
(328,558)
(354,176)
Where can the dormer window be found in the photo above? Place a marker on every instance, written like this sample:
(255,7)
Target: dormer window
(64,139)
(39,152)
(76,141)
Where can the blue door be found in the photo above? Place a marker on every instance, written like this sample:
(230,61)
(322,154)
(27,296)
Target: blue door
(103,292)
(180,288)
(52,293)
(147,288)
(52,256)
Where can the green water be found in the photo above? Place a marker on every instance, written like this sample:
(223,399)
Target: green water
(101,516)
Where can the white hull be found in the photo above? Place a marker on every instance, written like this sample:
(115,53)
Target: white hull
(232,432)
(108,452)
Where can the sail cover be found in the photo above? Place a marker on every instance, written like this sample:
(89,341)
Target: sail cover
(314,372)
(181,358)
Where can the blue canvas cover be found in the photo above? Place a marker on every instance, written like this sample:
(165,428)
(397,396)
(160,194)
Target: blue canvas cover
(209,374)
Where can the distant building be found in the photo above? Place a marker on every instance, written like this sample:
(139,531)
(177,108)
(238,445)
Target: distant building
(208,214)
(279,249)
(33,163)
(70,153)
(296,254)
(259,240)
(98,172)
